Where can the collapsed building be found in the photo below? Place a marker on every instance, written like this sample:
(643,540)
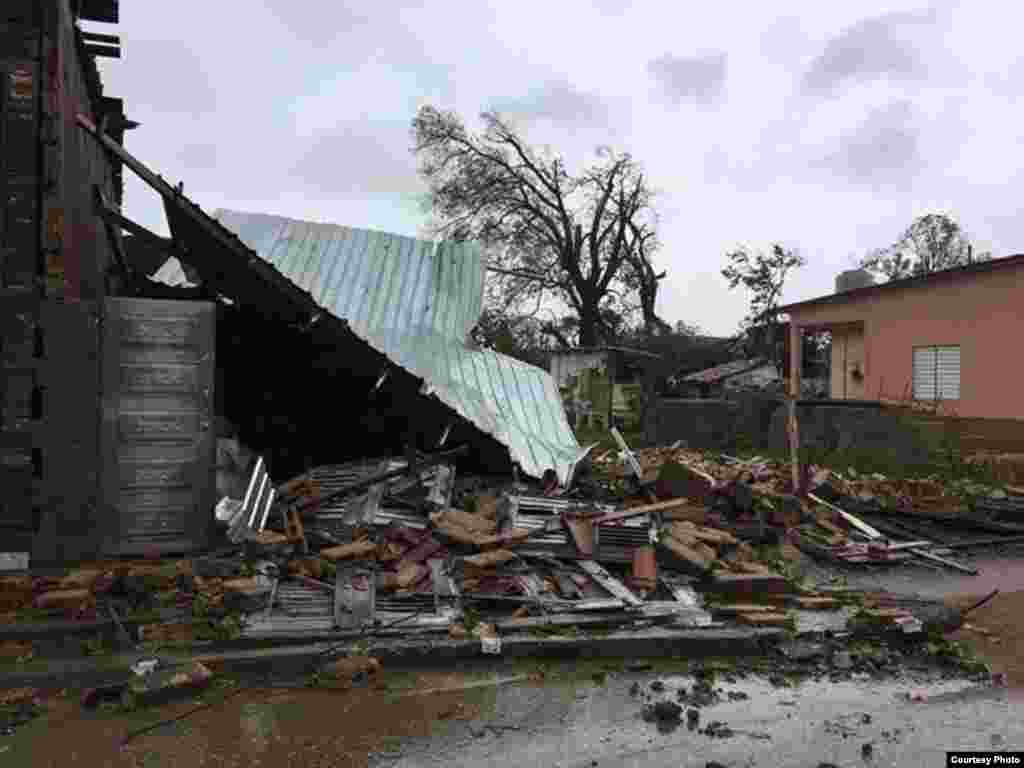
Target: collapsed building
(308,343)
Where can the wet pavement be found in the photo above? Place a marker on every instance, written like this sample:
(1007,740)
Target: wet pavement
(575,714)
(572,713)
(755,724)
(1004,571)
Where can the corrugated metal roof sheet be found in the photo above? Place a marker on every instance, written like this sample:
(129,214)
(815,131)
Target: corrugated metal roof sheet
(416,302)
(724,371)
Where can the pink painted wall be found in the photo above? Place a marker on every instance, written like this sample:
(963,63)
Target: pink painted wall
(983,313)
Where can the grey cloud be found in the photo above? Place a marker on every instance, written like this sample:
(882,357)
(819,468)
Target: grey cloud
(885,147)
(360,159)
(888,46)
(696,79)
(558,101)
(182,86)
(198,156)
(322,26)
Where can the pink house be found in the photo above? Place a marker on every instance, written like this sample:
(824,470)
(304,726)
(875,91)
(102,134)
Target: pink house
(951,339)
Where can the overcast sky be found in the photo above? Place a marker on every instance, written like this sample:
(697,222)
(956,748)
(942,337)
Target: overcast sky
(824,126)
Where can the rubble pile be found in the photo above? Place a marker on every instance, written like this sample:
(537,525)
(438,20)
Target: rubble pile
(846,517)
(398,546)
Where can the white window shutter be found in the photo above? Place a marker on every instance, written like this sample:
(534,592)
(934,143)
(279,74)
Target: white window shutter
(947,367)
(924,373)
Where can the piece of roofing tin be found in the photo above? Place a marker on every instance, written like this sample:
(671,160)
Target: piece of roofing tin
(416,302)
(725,371)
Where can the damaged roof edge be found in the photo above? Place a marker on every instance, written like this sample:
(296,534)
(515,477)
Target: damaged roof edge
(413,301)
(419,294)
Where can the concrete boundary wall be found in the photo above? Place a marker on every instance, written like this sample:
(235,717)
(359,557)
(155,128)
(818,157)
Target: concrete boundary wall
(759,423)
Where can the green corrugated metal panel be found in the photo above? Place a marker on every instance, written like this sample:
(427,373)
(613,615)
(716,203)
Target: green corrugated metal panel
(416,302)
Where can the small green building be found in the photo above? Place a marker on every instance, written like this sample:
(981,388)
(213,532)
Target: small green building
(601,385)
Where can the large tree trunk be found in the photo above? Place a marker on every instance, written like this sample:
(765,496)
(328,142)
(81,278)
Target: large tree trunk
(590,321)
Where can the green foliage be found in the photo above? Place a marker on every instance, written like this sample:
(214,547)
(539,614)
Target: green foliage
(470,618)
(932,243)
(95,646)
(227,628)
(362,647)
(551,630)
(955,653)
(201,606)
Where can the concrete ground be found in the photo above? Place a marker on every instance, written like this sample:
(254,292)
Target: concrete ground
(568,715)
(815,723)
(575,713)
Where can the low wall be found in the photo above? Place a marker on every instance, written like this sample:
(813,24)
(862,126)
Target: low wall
(865,431)
(699,424)
(758,423)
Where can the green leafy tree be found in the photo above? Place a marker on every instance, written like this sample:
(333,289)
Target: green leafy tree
(932,243)
(763,274)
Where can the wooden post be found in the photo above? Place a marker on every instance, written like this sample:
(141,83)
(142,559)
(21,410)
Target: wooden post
(610,362)
(793,428)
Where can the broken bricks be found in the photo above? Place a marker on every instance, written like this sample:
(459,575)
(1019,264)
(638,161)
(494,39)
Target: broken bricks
(357,550)
(350,669)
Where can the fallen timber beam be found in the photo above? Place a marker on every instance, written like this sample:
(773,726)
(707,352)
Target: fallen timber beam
(872,533)
(860,525)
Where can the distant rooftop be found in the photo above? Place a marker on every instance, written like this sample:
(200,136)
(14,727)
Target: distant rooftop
(725,371)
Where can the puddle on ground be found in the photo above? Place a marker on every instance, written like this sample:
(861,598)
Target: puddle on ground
(750,719)
(591,708)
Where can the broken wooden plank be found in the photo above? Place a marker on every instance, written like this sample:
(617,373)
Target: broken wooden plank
(643,509)
(703,534)
(695,561)
(856,522)
(609,582)
(763,619)
(946,562)
(816,603)
(735,609)
(355,550)
(897,546)
(679,479)
(582,531)
(491,559)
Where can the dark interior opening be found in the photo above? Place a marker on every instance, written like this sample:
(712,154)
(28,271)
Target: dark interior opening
(308,398)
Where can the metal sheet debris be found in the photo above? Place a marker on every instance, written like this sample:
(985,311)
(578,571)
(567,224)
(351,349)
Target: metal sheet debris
(416,302)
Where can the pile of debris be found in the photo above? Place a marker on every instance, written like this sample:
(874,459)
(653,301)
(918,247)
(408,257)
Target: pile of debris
(400,546)
(838,517)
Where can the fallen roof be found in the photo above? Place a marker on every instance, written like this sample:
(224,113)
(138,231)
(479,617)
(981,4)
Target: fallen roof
(416,302)
(725,371)
(954,273)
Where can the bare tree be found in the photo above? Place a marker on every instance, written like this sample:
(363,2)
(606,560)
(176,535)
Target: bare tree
(932,243)
(549,233)
(642,280)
